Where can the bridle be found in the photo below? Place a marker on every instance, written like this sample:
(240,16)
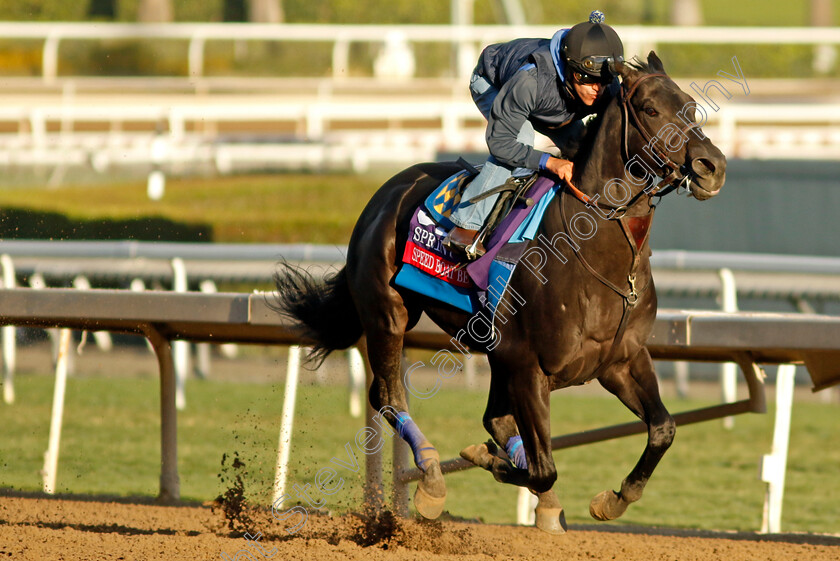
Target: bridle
(677,176)
(635,229)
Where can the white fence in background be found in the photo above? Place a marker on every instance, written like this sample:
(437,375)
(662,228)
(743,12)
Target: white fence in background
(466,40)
(333,133)
(339,134)
(52,136)
(328,132)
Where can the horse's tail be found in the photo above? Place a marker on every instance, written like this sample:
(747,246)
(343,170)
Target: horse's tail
(321,307)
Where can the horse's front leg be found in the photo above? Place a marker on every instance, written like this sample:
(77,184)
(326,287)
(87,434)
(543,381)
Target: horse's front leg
(530,393)
(512,464)
(637,388)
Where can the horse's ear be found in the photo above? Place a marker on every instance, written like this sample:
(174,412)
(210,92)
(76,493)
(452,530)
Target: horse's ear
(655,63)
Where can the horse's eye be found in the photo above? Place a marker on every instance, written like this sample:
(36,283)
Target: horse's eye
(651,111)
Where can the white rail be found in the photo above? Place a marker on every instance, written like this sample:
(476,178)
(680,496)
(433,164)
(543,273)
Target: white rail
(332,132)
(465,39)
(342,134)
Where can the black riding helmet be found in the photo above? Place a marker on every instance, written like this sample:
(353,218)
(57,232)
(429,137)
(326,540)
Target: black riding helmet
(592,48)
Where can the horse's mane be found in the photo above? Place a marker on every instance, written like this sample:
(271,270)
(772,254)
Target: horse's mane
(640,65)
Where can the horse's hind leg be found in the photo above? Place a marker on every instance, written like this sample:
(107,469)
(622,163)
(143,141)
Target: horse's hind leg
(385,320)
(387,395)
(637,388)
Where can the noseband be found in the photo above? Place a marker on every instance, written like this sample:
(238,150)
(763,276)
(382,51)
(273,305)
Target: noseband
(677,175)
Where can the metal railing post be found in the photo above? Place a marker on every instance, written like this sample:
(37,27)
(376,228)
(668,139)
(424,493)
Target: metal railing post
(287,418)
(180,349)
(526,502)
(51,456)
(401,462)
(728,370)
(9,336)
(357,382)
(774,465)
(170,485)
(374,490)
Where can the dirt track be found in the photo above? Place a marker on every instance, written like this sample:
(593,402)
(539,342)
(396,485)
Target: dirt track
(33,528)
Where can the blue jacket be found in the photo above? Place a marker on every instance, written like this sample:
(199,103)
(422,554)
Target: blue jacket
(536,93)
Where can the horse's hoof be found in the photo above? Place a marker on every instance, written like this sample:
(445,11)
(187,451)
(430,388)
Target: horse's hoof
(428,506)
(607,505)
(430,496)
(478,455)
(551,520)
(503,471)
(549,514)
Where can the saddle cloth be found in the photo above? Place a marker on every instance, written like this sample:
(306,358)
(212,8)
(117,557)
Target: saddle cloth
(431,269)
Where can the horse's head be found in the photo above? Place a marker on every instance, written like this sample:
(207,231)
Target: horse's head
(661,132)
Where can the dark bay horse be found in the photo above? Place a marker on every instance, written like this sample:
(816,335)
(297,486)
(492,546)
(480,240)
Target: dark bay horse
(564,320)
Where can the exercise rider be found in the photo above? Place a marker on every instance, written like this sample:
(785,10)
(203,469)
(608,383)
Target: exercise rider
(533,84)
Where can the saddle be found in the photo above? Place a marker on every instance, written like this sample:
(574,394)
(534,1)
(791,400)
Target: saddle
(511,192)
(432,269)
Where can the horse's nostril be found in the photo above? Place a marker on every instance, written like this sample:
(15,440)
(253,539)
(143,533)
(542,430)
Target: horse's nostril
(703,167)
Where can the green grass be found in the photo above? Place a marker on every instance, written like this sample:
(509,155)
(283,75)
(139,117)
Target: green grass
(282,208)
(110,445)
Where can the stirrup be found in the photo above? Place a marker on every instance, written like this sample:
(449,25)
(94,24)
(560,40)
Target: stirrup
(472,251)
(475,249)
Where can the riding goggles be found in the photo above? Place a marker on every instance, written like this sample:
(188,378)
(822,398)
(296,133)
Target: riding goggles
(583,78)
(594,64)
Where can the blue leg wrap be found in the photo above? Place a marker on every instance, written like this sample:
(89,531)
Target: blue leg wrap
(516,452)
(410,432)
